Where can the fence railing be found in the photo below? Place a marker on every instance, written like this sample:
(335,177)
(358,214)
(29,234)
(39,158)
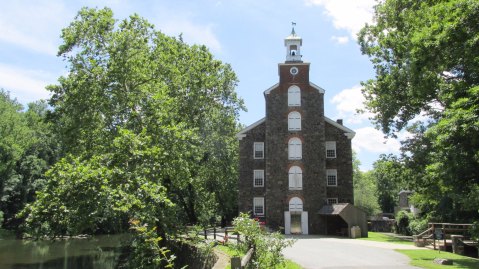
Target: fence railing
(240,263)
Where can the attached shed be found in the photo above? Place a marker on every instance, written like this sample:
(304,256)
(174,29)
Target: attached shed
(344,216)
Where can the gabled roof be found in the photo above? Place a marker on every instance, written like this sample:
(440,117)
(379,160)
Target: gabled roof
(347,132)
(243,132)
(320,90)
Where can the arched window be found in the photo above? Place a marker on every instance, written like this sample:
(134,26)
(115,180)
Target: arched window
(294,96)
(294,121)
(295,178)
(294,149)
(295,204)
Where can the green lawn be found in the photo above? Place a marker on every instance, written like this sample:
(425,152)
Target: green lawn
(232,252)
(380,237)
(424,258)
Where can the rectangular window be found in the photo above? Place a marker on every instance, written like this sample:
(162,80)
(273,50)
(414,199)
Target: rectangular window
(332,201)
(332,177)
(258,206)
(258,150)
(258,178)
(330,149)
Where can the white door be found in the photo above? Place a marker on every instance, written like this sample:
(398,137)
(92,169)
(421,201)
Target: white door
(287,222)
(304,222)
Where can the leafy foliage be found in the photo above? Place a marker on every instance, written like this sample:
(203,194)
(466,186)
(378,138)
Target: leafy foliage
(147,123)
(426,61)
(365,190)
(268,246)
(27,149)
(147,251)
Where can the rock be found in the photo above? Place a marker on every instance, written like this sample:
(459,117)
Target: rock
(443,261)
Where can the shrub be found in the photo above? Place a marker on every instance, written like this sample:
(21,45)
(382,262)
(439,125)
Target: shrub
(268,246)
(402,222)
(418,225)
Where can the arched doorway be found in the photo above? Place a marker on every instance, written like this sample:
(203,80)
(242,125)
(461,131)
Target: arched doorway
(295,219)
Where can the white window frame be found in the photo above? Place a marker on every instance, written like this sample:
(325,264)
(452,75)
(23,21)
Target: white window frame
(332,201)
(294,121)
(331,173)
(295,149)
(295,178)
(294,96)
(258,202)
(262,150)
(295,204)
(258,174)
(330,149)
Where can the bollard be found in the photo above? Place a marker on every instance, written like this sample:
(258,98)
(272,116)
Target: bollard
(457,244)
(235,263)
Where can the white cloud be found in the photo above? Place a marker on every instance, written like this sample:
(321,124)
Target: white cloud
(372,140)
(340,39)
(33,25)
(347,102)
(349,15)
(192,33)
(25,85)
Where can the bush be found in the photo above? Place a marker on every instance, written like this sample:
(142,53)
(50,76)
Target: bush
(268,246)
(418,225)
(1,219)
(402,222)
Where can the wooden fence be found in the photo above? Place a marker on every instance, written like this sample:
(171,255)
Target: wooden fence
(442,235)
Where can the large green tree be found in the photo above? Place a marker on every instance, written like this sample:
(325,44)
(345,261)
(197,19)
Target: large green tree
(427,62)
(365,189)
(27,149)
(147,123)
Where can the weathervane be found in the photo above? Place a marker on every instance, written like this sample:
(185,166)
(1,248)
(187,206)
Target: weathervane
(293,24)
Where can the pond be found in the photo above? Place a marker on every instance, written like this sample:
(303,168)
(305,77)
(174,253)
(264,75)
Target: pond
(98,252)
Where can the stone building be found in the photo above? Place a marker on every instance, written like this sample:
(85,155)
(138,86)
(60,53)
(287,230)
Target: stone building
(296,161)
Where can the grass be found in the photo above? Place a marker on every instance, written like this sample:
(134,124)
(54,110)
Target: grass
(380,237)
(424,259)
(232,252)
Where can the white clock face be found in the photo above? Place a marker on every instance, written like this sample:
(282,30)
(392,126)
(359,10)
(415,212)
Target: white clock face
(294,70)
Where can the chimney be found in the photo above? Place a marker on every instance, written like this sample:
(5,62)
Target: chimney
(340,121)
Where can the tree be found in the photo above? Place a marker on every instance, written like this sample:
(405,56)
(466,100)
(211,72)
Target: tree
(147,123)
(27,149)
(425,56)
(365,189)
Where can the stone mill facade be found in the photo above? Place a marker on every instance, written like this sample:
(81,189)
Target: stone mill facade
(295,160)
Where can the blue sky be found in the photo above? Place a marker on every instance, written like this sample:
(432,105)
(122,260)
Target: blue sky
(247,34)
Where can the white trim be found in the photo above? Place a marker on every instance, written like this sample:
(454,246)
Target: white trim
(320,90)
(254,150)
(262,177)
(242,133)
(260,201)
(335,200)
(331,172)
(330,145)
(271,88)
(347,132)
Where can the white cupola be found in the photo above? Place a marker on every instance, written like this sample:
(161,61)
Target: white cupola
(293,46)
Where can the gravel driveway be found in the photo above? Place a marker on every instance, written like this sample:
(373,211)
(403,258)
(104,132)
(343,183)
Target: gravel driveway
(315,252)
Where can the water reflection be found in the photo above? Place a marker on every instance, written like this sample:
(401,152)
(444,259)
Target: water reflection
(99,252)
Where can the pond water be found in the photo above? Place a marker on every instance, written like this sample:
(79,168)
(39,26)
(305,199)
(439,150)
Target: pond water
(98,252)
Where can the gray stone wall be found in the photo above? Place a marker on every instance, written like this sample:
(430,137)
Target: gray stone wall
(315,131)
(247,165)
(277,137)
(343,164)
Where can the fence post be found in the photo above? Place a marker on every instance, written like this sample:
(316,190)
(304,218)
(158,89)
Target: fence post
(206,237)
(235,263)
(214,233)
